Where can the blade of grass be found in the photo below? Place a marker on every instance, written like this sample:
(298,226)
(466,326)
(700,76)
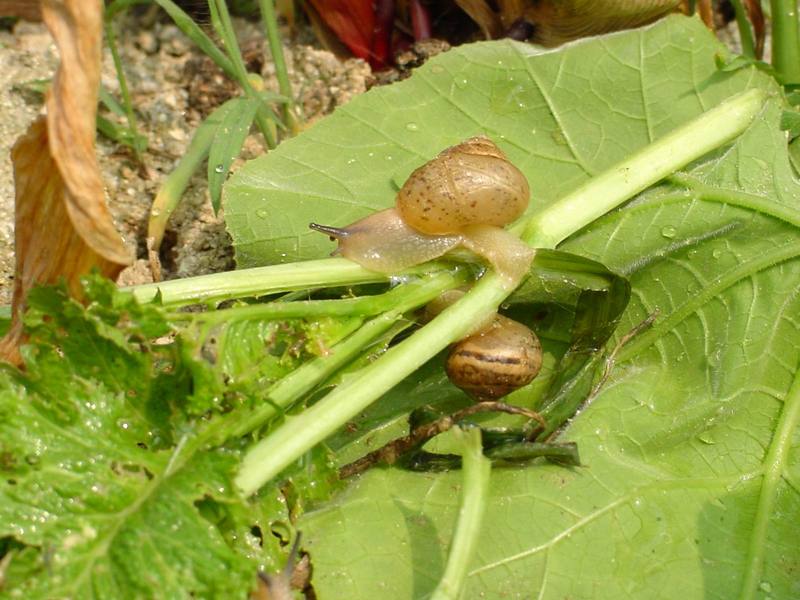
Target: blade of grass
(270,20)
(264,115)
(173,187)
(227,144)
(192,30)
(133,131)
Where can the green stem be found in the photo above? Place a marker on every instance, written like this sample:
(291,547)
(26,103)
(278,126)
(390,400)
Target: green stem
(193,31)
(261,281)
(775,463)
(266,459)
(222,18)
(652,163)
(361,306)
(299,382)
(276,50)
(476,471)
(785,41)
(111,38)
(745,30)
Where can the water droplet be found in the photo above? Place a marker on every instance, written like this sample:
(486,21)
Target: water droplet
(508,97)
(350,161)
(461,82)
(765,586)
(262,213)
(123,424)
(716,253)
(669,231)
(219,169)
(558,137)
(389,157)
(411,126)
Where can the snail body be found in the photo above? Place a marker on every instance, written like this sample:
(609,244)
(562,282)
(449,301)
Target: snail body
(461,198)
(495,361)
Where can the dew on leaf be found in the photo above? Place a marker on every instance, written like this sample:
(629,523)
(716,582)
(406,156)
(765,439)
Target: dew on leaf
(668,231)
(219,169)
(262,213)
(411,126)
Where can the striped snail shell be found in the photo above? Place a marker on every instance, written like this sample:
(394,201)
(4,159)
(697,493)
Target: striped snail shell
(495,361)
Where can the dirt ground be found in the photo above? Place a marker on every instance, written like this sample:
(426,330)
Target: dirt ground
(174,86)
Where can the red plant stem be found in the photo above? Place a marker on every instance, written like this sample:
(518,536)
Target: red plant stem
(382,34)
(420,21)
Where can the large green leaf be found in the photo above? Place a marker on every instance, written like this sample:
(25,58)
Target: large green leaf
(691,483)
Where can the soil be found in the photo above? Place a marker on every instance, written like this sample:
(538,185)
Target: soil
(173,87)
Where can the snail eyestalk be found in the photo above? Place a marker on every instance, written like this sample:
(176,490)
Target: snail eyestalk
(335,233)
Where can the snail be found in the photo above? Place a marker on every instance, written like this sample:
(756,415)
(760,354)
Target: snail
(499,355)
(461,198)
(495,361)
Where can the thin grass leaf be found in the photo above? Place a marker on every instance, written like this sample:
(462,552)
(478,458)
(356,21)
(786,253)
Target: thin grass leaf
(169,195)
(192,30)
(227,144)
(110,102)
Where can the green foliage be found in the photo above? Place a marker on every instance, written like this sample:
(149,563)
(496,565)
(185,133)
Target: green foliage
(690,484)
(107,490)
(227,144)
(119,444)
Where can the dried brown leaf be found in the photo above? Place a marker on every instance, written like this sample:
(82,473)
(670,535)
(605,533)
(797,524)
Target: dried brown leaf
(63,227)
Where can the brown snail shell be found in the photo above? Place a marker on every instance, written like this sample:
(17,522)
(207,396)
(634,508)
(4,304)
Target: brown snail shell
(496,361)
(468,184)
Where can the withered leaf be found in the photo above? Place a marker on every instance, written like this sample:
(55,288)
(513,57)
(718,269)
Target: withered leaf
(63,227)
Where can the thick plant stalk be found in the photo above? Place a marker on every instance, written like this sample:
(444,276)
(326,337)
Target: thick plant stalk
(785,41)
(282,447)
